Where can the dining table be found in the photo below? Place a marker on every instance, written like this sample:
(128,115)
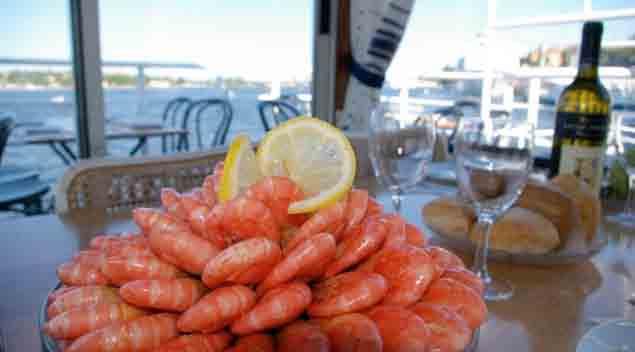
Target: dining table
(551,309)
(60,140)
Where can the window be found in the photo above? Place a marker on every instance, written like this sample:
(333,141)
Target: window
(530,49)
(241,51)
(36,85)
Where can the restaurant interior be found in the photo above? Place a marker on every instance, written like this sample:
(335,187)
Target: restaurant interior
(386,175)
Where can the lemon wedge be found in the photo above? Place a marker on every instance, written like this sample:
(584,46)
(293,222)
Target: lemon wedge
(315,155)
(241,169)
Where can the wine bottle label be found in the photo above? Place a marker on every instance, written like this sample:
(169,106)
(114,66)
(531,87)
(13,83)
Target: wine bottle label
(588,128)
(583,138)
(586,163)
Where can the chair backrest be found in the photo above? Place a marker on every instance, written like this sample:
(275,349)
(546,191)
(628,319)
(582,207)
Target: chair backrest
(6,126)
(173,116)
(277,112)
(114,186)
(117,186)
(223,114)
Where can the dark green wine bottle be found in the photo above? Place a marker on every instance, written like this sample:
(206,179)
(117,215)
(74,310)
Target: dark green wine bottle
(583,117)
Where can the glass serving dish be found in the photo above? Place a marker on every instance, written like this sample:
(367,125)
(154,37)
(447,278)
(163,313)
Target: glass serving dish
(50,345)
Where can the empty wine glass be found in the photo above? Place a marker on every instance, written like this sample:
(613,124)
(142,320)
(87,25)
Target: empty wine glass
(621,141)
(400,145)
(493,162)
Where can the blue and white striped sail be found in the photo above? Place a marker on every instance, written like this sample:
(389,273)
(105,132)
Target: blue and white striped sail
(377,27)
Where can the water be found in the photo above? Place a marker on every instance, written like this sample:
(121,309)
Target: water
(399,157)
(56,108)
(493,180)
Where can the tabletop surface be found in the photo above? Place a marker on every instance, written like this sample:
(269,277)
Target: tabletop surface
(116,132)
(550,311)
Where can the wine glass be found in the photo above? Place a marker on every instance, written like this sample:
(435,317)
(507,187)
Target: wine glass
(400,145)
(621,140)
(493,162)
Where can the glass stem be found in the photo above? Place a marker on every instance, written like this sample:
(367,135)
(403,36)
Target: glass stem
(396,200)
(480,256)
(628,206)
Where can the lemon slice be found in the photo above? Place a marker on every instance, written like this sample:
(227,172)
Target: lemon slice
(241,169)
(315,155)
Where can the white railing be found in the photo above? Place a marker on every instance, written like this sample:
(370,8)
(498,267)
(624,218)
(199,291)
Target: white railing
(140,67)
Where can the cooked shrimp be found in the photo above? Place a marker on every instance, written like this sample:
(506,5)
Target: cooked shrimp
(176,295)
(90,257)
(106,242)
(414,236)
(246,217)
(306,336)
(443,259)
(466,277)
(171,201)
(357,204)
(357,248)
(196,211)
(306,261)
(396,230)
(217,309)
(213,227)
(254,343)
(145,333)
(80,274)
(53,296)
(458,297)
(277,307)
(346,293)
(197,342)
(145,218)
(79,321)
(235,260)
(329,220)
(448,331)
(277,193)
(174,242)
(408,270)
(120,270)
(374,207)
(352,333)
(208,191)
(368,265)
(80,297)
(401,330)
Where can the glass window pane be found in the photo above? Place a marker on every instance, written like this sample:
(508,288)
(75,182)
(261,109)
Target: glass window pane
(240,51)
(612,4)
(507,10)
(36,86)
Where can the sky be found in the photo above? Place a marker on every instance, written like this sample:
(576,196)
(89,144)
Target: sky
(267,39)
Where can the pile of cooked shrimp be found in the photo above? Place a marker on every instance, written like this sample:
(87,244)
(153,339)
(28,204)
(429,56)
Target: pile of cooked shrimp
(245,275)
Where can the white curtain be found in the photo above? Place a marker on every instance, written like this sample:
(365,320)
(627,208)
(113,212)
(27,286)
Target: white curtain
(377,27)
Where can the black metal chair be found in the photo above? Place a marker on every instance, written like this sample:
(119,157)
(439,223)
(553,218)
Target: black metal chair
(173,116)
(6,126)
(199,109)
(18,186)
(277,111)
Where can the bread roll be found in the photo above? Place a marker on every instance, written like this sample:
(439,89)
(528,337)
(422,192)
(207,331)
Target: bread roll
(585,201)
(449,217)
(548,201)
(521,231)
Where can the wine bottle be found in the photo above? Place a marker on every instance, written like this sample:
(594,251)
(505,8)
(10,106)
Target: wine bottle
(583,117)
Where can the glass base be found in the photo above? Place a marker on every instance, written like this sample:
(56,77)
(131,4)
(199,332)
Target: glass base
(498,290)
(622,219)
